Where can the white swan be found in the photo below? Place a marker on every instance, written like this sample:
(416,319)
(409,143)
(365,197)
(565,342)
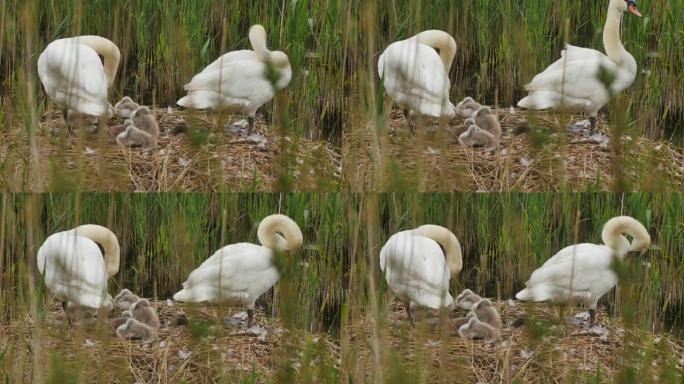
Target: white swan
(76,270)
(582,273)
(572,83)
(418,265)
(239,80)
(74,76)
(240,273)
(416,77)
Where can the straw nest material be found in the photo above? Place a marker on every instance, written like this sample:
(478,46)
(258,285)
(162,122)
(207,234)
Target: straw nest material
(201,350)
(205,157)
(385,158)
(544,352)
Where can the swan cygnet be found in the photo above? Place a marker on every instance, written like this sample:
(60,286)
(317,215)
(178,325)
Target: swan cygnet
(119,321)
(142,131)
(460,321)
(463,128)
(487,120)
(478,330)
(478,137)
(583,273)
(144,313)
(136,330)
(467,107)
(125,299)
(466,299)
(125,108)
(485,312)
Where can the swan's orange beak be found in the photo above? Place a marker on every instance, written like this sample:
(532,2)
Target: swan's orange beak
(632,8)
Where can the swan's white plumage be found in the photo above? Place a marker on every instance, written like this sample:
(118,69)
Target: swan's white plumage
(415,77)
(415,269)
(74,76)
(238,81)
(583,273)
(240,273)
(573,82)
(74,269)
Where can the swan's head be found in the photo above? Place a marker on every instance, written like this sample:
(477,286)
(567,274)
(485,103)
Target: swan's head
(142,303)
(626,6)
(280,233)
(469,121)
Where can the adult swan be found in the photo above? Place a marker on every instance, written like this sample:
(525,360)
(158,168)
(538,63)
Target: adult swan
(574,84)
(76,265)
(239,80)
(240,273)
(582,273)
(416,77)
(418,265)
(74,76)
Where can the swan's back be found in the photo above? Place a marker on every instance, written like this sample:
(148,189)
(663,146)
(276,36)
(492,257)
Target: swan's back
(237,273)
(73,76)
(415,268)
(415,78)
(74,269)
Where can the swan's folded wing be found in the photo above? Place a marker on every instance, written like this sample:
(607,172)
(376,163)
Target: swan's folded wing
(572,54)
(242,78)
(577,79)
(230,57)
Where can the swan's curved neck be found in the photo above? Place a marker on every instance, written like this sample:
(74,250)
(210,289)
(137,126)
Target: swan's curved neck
(442,41)
(108,50)
(448,241)
(257,38)
(274,228)
(614,229)
(107,239)
(611,36)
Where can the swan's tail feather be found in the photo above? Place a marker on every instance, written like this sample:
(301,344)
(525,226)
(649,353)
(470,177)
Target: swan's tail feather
(538,101)
(533,294)
(196,294)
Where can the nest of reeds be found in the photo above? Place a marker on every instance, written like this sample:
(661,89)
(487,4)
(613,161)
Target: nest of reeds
(205,157)
(542,351)
(533,157)
(201,350)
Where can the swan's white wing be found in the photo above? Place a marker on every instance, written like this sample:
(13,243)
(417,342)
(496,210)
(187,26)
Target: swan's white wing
(414,77)
(236,273)
(73,75)
(74,269)
(415,268)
